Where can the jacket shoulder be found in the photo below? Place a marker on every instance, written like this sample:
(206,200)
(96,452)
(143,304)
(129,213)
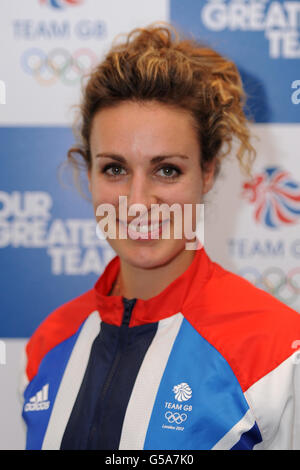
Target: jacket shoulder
(62,323)
(252,329)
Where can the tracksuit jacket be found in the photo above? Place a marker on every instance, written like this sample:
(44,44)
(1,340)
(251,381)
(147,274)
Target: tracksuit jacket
(212,362)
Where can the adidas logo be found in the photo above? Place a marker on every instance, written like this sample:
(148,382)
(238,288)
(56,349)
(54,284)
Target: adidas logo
(39,401)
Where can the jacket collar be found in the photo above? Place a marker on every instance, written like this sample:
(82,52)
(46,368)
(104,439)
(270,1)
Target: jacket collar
(183,291)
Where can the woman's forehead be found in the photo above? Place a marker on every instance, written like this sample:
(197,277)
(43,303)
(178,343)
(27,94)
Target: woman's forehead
(138,125)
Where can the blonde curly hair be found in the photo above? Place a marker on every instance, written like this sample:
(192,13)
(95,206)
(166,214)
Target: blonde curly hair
(155,63)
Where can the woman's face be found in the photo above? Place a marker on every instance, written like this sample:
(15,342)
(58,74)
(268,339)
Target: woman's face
(149,153)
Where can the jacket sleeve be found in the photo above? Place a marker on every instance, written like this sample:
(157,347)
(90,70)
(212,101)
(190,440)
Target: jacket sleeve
(275,401)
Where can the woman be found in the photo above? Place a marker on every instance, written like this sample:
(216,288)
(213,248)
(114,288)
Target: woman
(168,350)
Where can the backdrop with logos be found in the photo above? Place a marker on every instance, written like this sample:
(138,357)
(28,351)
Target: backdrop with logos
(48,245)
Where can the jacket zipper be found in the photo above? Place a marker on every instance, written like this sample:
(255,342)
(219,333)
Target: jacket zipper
(93,440)
(128,307)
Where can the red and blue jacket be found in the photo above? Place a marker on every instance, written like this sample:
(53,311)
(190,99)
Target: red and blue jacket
(209,363)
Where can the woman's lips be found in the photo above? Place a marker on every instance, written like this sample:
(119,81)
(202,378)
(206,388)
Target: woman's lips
(141,231)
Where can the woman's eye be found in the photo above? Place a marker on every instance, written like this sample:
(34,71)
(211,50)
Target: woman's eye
(170,171)
(115,170)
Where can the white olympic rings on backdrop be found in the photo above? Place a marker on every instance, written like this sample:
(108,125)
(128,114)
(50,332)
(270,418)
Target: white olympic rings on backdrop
(284,286)
(57,64)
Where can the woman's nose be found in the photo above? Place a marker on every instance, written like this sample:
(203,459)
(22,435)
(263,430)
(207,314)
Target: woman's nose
(141,193)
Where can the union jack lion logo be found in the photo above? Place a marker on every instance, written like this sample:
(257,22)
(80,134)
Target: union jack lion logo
(275,196)
(60,3)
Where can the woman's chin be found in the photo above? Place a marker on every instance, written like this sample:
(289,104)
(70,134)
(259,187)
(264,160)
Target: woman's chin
(147,254)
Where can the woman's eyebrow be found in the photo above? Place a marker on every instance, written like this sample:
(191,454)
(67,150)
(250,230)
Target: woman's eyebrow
(156,159)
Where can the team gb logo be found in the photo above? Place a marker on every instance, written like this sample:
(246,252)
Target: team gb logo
(183,392)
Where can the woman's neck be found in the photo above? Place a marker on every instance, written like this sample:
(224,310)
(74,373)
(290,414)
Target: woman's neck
(140,283)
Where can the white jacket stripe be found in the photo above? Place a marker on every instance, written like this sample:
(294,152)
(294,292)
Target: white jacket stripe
(71,382)
(275,402)
(235,433)
(142,399)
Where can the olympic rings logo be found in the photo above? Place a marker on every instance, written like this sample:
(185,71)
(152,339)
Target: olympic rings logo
(175,417)
(58,64)
(285,287)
